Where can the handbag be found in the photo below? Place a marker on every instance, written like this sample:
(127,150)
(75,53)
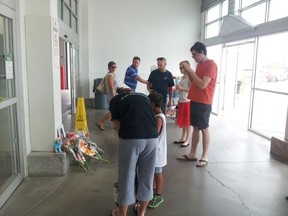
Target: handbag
(101,87)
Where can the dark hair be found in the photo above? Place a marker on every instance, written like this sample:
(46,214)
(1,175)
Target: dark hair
(111,63)
(156,99)
(199,47)
(136,58)
(161,59)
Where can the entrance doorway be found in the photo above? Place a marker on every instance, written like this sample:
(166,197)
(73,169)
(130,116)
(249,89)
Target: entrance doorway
(237,73)
(68,71)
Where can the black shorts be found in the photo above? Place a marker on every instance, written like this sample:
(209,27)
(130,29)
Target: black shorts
(200,115)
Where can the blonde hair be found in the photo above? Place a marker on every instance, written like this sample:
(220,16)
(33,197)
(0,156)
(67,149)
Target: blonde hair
(185,61)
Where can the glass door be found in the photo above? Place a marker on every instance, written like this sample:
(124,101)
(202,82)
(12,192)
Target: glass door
(69,63)
(237,80)
(11,173)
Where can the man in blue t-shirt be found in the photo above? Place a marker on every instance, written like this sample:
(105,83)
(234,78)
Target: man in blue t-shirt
(131,75)
(161,81)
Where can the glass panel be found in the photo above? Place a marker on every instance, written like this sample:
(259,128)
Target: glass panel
(9,151)
(272,63)
(269,111)
(212,30)
(74,23)
(59,8)
(213,53)
(74,6)
(246,3)
(255,15)
(213,13)
(67,2)
(278,9)
(237,69)
(66,15)
(7,76)
(225,8)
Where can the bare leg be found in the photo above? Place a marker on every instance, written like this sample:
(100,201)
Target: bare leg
(188,130)
(123,210)
(142,208)
(206,140)
(105,118)
(195,141)
(184,134)
(159,182)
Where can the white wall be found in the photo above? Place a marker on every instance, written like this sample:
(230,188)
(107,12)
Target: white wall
(42,64)
(119,30)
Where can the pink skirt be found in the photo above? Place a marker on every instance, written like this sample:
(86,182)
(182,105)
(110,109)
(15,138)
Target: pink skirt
(183,114)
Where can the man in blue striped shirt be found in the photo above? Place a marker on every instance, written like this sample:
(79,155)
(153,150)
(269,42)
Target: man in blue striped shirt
(131,75)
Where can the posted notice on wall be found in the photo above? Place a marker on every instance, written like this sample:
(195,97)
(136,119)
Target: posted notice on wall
(55,43)
(9,66)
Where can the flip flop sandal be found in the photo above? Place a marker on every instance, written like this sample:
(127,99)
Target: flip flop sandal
(99,126)
(186,158)
(202,163)
(178,142)
(183,146)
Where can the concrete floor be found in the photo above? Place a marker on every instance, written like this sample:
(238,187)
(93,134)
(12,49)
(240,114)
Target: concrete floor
(241,179)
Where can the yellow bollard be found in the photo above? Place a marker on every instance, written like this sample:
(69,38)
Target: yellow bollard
(81,119)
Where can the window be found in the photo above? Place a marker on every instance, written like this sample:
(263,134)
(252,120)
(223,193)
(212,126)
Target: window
(68,12)
(249,14)
(271,85)
(10,160)
(214,19)
(278,9)
(246,3)
(254,11)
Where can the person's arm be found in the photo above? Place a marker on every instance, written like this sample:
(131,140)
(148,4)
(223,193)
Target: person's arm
(116,124)
(140,79)
(201,83)
(181,88)
(149,87)
(111,85)
(170,92)
(159,122)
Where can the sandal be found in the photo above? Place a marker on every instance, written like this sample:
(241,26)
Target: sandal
(186,158)
(115,212)
(202,163)
(99,126)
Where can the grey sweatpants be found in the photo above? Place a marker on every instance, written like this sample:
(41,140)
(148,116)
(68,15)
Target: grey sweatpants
(132,153)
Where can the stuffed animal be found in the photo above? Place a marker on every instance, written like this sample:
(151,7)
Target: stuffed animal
(57,145)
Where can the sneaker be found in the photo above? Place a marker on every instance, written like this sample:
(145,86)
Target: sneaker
(156,201)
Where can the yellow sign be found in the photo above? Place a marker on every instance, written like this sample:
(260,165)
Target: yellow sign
(81,120)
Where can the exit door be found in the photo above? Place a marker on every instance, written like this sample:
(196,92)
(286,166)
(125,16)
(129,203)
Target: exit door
(237,61)
(68,75)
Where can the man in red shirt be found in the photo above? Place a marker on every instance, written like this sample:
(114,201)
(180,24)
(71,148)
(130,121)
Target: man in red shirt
(203,82)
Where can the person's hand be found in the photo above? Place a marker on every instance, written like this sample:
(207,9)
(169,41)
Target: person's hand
(179,87)
(186,68)
(169,104)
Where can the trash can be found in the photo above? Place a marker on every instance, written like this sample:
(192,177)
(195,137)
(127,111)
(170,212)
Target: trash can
(100,99)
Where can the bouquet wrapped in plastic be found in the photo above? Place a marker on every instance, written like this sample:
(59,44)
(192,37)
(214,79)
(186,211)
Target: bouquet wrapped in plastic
(78,145)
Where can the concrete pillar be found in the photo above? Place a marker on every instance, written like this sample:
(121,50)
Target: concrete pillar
(42,43)
(286,129)
(44,92)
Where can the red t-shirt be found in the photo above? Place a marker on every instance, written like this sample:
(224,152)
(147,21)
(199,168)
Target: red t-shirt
(208,69)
